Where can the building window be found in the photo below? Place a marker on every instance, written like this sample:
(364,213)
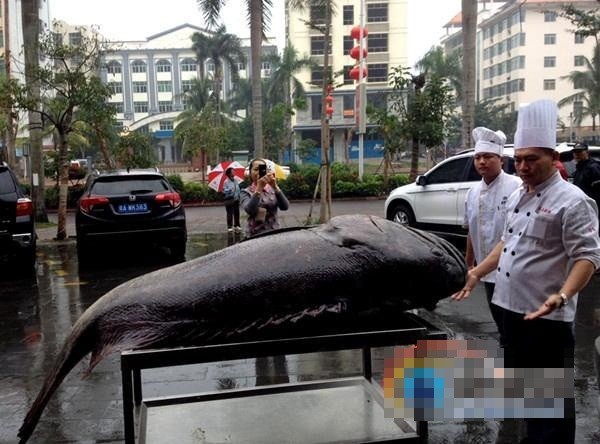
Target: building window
(186,85)
(75,38)
(577,109)
(113,67)
(377,12)
(115,87)
(549,39)
(140,107)
(549,62)
(140,87)
(210,66)
(549,16)
(579,83)
(118,106)
(265,69)
(138,66)
(377,100)
(317,15)
(549,84)
(377,43)
(348,44)
(317,45)
(348,101)
(316,75)
(348,14)
(163,66)
(347,79)
(241,66)
(188,65)
(164,86)
(165,107)
(316,106)
(377,72)
(166,125)
(579,60)
(579,39)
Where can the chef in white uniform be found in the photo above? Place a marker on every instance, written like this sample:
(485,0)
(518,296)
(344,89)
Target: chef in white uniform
(485,205)
(549,251)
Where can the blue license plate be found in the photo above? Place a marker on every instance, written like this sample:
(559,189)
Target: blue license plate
(132,208)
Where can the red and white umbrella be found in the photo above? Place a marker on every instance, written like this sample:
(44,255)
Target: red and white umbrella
(217,177)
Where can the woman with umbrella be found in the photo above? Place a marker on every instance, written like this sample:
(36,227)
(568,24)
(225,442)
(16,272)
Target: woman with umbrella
(231,191)
(262,199)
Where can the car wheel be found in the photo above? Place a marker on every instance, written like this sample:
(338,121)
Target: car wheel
(403,215)
(26,260)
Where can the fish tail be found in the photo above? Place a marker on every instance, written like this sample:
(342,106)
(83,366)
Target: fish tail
(75,348)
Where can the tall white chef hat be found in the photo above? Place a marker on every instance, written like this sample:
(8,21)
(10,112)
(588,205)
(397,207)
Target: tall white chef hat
(488,141)
(536,125)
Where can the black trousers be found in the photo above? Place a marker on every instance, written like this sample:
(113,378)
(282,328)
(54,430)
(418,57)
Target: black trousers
(233,214)
(541,343)
(494,309)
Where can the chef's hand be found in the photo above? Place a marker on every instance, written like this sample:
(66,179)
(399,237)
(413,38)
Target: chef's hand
(552,303)
(472,280)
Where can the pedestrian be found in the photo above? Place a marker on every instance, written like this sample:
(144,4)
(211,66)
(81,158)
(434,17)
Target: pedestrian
(262,199)
(485,205)
(548,253)
(587,172)
(231,192)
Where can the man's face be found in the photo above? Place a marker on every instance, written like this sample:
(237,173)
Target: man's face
(580,155)
(535,165)
(488,165)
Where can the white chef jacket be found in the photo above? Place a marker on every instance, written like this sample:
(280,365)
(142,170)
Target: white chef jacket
(485,210)
(546,230)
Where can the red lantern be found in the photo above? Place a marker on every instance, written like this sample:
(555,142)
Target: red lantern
(355,73)
(355,52)
(355,32)
(329,100)
(329,111)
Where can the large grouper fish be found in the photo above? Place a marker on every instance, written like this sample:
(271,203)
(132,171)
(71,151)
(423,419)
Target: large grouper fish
(351,273)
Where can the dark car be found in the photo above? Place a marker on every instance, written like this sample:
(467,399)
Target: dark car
(17,226)
(128,211)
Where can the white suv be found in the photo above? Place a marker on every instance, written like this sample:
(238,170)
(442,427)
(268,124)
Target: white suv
(435,202)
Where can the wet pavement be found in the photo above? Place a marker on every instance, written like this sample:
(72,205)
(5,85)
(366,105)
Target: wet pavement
(37,313)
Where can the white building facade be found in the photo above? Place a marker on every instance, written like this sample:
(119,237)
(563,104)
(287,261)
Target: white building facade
(149,77)
(386,22)
(525,50)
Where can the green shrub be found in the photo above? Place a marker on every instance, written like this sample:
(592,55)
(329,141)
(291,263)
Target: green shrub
(176,181)
(198,192)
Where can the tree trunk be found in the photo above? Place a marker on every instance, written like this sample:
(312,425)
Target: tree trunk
(469,34)
(31,32)
(325,209)
(103,148)
(414,161)
(63,189)
(256,20)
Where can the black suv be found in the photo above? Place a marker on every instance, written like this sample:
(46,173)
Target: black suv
(129,210)
(17,226)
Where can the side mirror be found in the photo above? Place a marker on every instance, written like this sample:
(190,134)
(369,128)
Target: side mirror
(421,180)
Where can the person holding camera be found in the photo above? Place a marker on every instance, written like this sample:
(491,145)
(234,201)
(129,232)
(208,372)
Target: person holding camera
(262,199)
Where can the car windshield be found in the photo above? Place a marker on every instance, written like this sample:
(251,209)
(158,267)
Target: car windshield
(7,186)
(124,185)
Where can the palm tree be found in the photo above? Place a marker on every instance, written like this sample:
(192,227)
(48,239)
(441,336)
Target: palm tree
(284,87)
(222,48)
(588,81)
(449,66)
(325,9)
(469,34)
(242,96)
(259,14)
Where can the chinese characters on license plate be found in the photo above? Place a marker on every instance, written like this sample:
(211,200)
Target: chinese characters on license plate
(140,207)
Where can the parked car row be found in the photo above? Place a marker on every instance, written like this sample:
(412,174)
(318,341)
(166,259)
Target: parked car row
(120,211)
(17,222)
